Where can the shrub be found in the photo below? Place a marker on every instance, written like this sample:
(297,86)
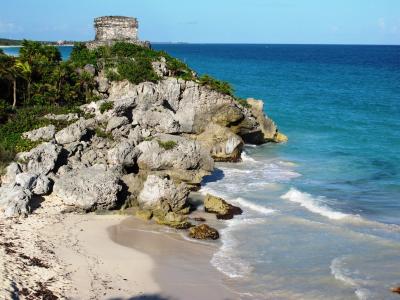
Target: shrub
(167,145)
(103,134)
(220,86)
(243,102)
(106,106)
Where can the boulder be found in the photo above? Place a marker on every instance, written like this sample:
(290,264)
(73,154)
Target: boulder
(102,83)
(123,153)
(223,144)
(116,122)
(73,133)
(40,160)
(12,170)
(171,219)
(165,152)
(26,180)
(42,134)
(42,185)
(15,200)
(144,214)
(160,67)
(203,232)
(89,188)
(163,193)
(219,206)
(66,117)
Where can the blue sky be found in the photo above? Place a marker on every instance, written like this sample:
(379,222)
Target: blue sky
(212,21)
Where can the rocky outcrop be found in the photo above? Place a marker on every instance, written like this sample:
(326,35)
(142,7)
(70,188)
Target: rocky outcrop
(42,134)
(73,133)
(15,200)
(180,158)
(221,142)
(162,193)
(40,160)
(268,127)
(203,232)
(89,188)
(220,207)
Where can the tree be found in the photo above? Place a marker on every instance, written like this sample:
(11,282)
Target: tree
(9,72)
(25,70)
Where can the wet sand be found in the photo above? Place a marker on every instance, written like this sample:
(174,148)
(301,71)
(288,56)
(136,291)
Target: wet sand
(182,267)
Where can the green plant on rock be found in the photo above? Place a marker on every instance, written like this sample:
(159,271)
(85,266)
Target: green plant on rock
(243,102)
(101,133)
(222,87)
(106,106)
(167,145)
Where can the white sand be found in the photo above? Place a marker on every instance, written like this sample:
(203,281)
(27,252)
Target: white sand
(80,260)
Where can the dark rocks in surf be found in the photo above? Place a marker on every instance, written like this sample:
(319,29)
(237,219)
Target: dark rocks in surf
(203,232)
(221,208)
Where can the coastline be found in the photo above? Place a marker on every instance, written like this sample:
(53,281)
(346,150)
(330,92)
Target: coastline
(51,253)
(187,261)
(89,256)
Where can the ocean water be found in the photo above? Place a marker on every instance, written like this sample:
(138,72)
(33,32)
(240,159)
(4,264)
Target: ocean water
(321,212)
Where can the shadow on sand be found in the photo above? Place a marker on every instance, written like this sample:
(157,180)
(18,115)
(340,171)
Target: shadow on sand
(146,297)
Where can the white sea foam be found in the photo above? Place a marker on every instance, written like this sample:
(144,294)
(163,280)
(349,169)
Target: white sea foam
(226,259)
(255,207)
(243,203)
(340,272)
(314,204)
(246,158)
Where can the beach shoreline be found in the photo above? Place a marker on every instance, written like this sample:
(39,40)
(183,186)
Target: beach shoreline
(70,255)
(111,256)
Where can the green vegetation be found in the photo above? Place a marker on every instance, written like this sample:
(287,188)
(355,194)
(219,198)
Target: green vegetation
(167,145)
(38,82)
(242,102)
(106,106)
(100,132)
(23,120)
(220,86)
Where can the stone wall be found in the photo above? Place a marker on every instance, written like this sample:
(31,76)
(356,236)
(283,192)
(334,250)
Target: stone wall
(110,29)
(116,28)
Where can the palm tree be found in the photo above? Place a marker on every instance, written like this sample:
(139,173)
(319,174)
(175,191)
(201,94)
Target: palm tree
(9,71)
(25,70)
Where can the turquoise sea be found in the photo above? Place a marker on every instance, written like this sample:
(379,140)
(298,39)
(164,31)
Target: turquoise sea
(322,211)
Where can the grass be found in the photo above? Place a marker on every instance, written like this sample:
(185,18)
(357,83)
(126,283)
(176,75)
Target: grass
(106,106)
(103,134)
(167,145)
(217,85)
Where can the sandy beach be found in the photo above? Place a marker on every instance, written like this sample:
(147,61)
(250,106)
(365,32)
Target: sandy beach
(91,256)
(70,256)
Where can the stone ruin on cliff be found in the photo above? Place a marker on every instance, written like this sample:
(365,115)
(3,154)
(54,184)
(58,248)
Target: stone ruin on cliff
(110,29)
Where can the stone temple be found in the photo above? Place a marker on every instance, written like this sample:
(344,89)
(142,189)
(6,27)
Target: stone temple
(111,29)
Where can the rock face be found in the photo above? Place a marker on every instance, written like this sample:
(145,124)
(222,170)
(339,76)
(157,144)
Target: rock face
(180,158)
(89,189)
(268,127)
(148,146)
(164,194)
(222,143)
(203,232)
(220,207)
